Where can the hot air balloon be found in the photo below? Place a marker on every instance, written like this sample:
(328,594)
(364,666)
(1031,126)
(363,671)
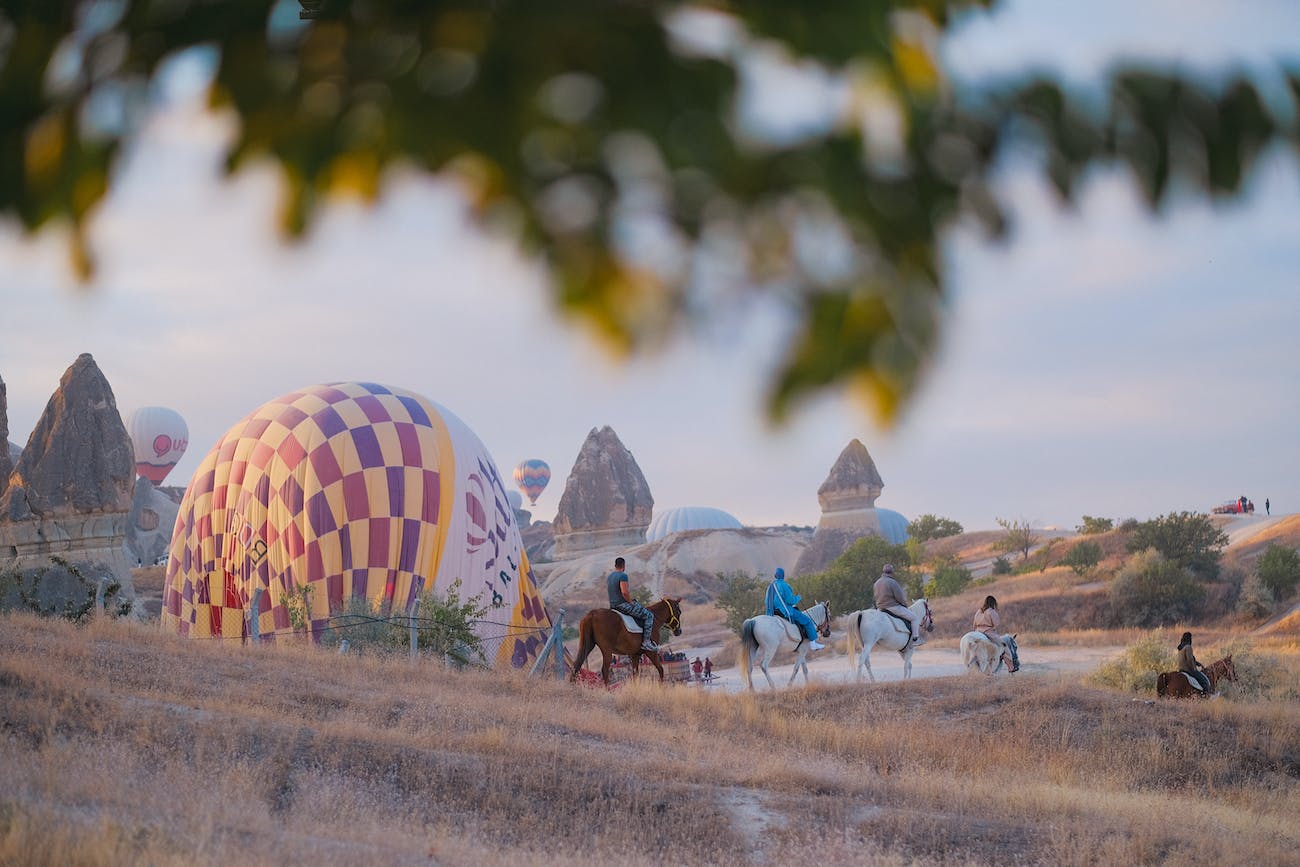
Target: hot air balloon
(531,477)
(690,518)
(356,491)
(159,437)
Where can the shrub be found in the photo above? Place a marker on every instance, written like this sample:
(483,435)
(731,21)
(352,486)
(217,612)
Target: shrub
(1083,557)
(1128,525)
(364,628)
(1186,538)
(950,578)
(741,597)
(1002,566)
(1279,569)
(1255,599)
(1092,526)
(847,583)
(73,596)
(1136,669)
(927,527)
(1153,591)
(446,624)
(1019,536)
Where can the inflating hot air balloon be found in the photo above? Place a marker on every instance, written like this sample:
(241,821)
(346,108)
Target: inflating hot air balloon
(531,477)
(159,437)
(356,491)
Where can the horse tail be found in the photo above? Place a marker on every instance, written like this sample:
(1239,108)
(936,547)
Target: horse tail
(748,646)
(855,635)
(1162,683)
(586,644)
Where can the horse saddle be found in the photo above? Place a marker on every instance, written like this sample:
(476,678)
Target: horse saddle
(1191,678)
(631,624)
(907,624)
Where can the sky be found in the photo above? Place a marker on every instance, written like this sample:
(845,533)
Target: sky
(1103,361)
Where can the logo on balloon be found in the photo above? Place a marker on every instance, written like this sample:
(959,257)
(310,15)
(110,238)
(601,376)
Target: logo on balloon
(162,444)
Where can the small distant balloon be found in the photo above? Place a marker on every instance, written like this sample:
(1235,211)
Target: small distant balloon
(531,477)
(159,437)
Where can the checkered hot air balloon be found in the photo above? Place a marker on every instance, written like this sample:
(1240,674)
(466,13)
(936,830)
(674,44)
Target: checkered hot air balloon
(531,477)
(355,490)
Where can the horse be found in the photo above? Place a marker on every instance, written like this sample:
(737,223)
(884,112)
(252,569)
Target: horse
(605,628)
(769,633)
(872,627)
(1177,684)
(979,653)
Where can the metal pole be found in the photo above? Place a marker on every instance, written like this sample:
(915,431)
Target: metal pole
(557,635)
(415,638)
(254,618)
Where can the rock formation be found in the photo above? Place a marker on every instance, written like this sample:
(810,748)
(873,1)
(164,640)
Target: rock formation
(70,490)
(848,501)
(150,524)
(6,455)
(606,502)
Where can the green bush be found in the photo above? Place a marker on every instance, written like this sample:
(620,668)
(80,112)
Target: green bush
(445,626)
(1002,566)
(1186,538)
(73,599)
(1255,599)
(1279,569)
(927,527)
(741,597)
(950,578)
(1092,526)
(1083,557)
(847,583)
(1136,669)
(1153,591)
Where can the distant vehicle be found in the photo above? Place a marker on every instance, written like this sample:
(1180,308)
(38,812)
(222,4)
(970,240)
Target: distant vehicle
(1239,506)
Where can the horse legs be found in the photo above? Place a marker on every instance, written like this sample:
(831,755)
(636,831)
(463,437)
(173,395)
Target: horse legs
(605,659)
(654,659)
(907,661)
(586,643)
(797,663)
(767,657)
(864,660)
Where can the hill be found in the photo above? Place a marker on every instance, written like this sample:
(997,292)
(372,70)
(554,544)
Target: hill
(124,745)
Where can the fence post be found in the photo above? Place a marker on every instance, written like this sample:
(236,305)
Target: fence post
(343,646)
(99,595)
(415,635)
(557,646)
(254,617)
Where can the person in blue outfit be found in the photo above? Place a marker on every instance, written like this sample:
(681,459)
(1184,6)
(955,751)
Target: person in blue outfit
(781,601)
(620,599)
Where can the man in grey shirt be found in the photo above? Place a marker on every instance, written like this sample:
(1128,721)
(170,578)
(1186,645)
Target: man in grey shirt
(891,597)
(620,599)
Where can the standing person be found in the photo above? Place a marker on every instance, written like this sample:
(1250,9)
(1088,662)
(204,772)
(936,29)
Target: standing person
(781,600)
(697,668)
(1187,662)
(708,668)
(891,597)
(620,599)
(989,624)
(1266,512)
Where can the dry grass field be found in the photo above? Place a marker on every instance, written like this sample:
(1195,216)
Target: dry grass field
(121,745)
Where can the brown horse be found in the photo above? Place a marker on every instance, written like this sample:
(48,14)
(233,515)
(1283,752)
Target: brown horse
(604,628)
(1174,683)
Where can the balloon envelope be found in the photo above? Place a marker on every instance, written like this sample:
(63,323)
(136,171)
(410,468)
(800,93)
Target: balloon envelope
(689,518)
(159,437)
(353,491)
(532,476)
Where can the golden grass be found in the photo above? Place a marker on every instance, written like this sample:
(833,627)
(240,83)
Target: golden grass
(124,745)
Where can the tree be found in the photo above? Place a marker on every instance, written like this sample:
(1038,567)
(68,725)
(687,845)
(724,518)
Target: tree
(1082,558)
(927,527)
(950,578)
(1279,569)
(847,583)
(582,127)
(1255,599)
(446,624)
(741,597)
(1092,526)
(1019,536)
(1188,539)
(1153,591)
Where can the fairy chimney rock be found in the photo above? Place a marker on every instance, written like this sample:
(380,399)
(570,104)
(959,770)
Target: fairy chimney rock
(606,501)
(6,453)
(854,482)
(79,458)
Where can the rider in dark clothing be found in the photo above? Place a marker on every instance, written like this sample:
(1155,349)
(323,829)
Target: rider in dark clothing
(1187,662)
(620,599)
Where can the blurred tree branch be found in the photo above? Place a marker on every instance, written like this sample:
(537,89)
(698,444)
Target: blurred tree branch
(605,136)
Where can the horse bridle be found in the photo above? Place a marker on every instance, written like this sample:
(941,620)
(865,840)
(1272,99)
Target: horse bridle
(825,627)
(672,622)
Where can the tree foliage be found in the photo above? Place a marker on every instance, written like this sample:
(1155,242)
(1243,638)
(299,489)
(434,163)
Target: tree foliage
(1186,538)
(1279,569)
(741,597)
(1256,599)
(1082,558)
(950,578)
(1018,536)
(606,137)
(927,527)
(1092,526)
(847,583)
(1151,590)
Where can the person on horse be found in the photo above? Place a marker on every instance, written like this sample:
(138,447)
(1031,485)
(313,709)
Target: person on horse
(891,597)
(781,601)
(989,624)
(620,599)
(1187,663)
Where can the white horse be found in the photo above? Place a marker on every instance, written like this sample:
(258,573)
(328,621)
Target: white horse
(980,653)
(767,633)
(872,627)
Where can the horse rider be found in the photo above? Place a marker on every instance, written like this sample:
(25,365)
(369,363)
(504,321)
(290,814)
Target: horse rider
(1187,662)
(891,597)
(781,600)
(989,624)
(620,599)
